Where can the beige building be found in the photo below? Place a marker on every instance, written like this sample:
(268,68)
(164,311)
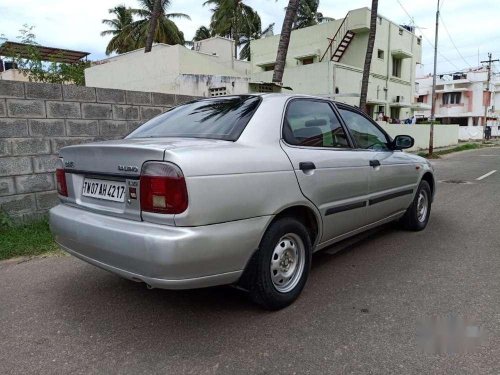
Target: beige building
(209,69)
(327,60)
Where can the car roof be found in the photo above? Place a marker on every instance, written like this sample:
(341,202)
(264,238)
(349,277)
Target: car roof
(280,95)
(287,95)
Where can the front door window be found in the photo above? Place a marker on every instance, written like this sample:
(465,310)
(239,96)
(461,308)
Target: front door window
(365,133)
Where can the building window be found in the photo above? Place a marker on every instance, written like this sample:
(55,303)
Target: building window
(380,20)
(307,60)
(380,54)
(268,68)
(400,31)
(419,41)
(396,67)
(218,91)
(422,99)
(452,98)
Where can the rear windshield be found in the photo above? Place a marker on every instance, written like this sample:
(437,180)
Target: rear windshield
(219,118)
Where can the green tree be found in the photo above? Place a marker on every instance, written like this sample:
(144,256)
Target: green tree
(203,32)
(121,30)
(308,15)
(232,19)
(52,71)
(165,30)
(257,34)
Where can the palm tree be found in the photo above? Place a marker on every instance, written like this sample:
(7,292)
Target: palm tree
(203,32)
(257,34)
(368,57)
(233,19)
(308,15)
(122,40)
(286,31)
(153,22)
(165,30)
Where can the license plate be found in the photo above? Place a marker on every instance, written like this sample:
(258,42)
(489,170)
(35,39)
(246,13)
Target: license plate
(102,189)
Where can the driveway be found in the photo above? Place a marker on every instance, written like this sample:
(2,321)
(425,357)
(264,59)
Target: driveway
(358,313)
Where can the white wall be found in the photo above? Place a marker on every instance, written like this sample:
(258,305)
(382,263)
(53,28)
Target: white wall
(13,75)
(173,70)
(313,79)
(444,135)
(200,85)
(155,71)
(467,133)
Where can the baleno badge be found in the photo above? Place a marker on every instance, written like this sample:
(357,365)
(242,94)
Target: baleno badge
(128,168)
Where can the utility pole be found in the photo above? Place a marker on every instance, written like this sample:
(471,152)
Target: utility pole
(433,105)
(489,61)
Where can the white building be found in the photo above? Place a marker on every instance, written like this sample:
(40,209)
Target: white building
(207,70)
(461,97)
(328,59)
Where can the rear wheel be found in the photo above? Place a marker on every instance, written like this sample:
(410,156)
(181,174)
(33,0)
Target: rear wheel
(417,215)
(281,266)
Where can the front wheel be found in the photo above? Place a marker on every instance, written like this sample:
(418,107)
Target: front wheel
(417,215)
(281,265)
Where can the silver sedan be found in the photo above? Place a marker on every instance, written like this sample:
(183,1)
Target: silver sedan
(236,189)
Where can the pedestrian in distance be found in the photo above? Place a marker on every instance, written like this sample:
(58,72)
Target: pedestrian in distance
(487,132)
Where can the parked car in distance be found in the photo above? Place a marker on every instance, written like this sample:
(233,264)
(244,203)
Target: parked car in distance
(236,189)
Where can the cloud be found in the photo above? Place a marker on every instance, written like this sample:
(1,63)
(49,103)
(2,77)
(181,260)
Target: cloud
(77,24)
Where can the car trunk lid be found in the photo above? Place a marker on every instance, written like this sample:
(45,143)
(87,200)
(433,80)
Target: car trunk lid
(116,166)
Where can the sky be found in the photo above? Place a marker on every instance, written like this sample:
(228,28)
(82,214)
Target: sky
(468,28)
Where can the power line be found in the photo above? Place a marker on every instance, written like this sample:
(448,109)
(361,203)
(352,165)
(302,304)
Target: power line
(459,58)
(439,53)
(412,19)
(451,40)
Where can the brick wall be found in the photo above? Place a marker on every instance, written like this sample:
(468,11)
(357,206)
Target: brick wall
(37,119)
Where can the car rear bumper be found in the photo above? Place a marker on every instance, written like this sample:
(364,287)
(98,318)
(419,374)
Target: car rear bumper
(162,256)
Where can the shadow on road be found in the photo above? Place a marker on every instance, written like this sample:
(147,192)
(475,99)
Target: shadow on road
(95,290)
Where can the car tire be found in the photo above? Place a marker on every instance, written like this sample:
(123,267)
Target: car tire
(280,267)
(417,215)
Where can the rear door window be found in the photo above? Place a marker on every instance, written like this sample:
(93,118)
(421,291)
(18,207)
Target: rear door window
(219,118)
(313,123)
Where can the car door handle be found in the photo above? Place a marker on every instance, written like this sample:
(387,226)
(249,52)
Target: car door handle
(306,166)
(374,163)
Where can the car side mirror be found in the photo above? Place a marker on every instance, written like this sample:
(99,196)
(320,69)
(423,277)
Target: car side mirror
(402,142)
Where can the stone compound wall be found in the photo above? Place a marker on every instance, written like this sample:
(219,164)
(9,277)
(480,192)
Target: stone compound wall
(37,119)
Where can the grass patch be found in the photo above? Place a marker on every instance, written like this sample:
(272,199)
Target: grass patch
(25,240)
(437,154)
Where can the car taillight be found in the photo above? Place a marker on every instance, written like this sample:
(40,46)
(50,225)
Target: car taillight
(62,187)
(163,188)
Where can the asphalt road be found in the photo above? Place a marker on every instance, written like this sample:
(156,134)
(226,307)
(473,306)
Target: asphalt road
(359,312)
